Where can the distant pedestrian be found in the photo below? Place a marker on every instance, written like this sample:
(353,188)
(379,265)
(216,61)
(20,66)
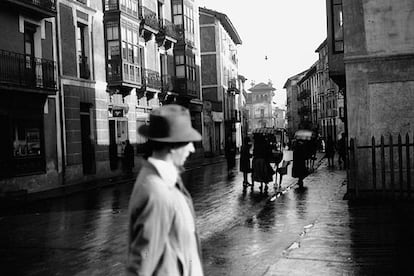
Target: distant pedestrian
(128,157)
(230,154)
(262,171)
(300,153)
(245,164)
(162,234)
(342,151)
(330,151)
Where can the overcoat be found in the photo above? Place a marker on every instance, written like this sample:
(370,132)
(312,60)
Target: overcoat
(162,236)
(245,155)
(299,159)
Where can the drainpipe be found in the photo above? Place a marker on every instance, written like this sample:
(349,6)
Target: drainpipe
(61,101)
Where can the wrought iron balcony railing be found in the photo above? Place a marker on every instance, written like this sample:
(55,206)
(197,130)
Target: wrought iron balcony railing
(170,29)
(149,18)
(167,82)
(44,4)
(36,8)
(27,71)
(152,79)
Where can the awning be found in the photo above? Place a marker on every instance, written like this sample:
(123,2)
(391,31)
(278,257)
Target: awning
(304,134)
(266,130)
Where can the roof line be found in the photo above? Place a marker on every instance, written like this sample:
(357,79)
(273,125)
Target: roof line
(227,24)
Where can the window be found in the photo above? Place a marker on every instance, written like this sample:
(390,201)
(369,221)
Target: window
(29,51)
(189,23)
(26,140)
(81,46)
(111,5)
(177,14)
(128,6)
(160,11)
(179,66)
(132,53)
(112,41)
(338,28)
(22,140)
(191,68)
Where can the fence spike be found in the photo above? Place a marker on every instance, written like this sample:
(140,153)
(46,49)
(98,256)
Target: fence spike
(374,165)
(392,165)
(383,165)
(407,157)
(400,165)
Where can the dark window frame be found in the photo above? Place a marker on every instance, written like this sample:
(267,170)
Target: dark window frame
(337,26)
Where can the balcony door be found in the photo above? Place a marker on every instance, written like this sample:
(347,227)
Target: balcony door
(29,51)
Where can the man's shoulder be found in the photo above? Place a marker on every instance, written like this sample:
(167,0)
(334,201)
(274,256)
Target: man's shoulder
(149,180)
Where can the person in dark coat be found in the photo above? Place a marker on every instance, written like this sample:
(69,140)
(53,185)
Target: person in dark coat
(262,170)
(245,156)
(330,151)
(230,154)
(128,157)
(300,154)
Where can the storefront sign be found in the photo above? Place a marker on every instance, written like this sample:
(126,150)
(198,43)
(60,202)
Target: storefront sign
(217,116)
(118,113)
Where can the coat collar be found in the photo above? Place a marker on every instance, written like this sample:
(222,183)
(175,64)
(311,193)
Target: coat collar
(167,171)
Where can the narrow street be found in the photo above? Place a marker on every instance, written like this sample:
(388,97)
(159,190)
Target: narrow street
(241,233)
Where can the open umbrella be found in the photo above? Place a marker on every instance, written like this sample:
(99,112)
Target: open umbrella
(304,134)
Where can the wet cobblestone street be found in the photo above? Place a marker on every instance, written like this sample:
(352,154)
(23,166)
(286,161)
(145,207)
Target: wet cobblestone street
(299,232)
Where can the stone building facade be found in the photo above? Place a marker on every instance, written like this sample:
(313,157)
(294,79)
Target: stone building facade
(30,140)
(259,104)
(219,70)
(371,57)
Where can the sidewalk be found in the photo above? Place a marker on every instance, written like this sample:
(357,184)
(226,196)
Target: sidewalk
(16,199)
(349,238)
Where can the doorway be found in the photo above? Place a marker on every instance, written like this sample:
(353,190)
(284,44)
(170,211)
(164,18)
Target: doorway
(217,138)
(88,152)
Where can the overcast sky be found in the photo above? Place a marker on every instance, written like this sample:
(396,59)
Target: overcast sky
(286,31)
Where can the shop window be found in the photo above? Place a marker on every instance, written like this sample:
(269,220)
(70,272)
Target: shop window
(26,140)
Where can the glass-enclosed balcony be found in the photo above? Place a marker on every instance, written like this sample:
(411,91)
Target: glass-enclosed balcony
(27,71)
(127,6)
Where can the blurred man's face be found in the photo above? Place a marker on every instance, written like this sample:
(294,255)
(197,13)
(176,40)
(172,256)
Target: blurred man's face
(180,155)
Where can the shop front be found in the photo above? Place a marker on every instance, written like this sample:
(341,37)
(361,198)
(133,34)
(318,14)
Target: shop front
(28,140)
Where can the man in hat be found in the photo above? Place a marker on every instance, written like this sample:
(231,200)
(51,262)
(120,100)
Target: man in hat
(162,234)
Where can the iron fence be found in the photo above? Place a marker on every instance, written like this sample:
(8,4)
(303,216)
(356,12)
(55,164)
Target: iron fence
(389,163)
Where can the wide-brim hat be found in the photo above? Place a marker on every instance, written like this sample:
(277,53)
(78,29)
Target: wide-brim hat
(170,123)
